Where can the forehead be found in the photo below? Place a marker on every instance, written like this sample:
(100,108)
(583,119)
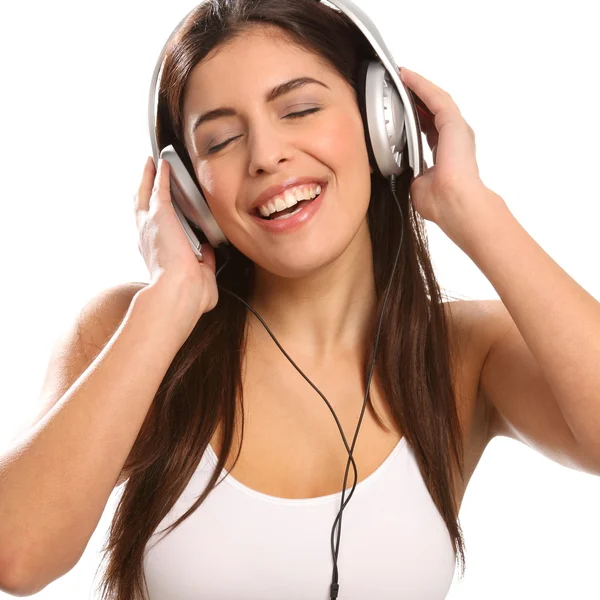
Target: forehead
(256,60)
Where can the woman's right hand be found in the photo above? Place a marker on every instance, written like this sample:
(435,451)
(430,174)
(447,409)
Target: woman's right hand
(164,244)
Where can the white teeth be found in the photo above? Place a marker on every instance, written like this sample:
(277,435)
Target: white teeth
(287,216)
(300,195)
(289,198)
(280,204)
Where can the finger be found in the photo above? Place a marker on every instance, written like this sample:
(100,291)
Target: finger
(208,256)
(426,117)
(142,198)
(432,137)
(162,183)
(435,98)
(161,180)
(426,121)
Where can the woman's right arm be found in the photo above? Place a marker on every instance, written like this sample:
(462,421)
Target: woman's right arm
(56,479)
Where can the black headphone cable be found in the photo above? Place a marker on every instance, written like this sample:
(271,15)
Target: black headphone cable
(334,583)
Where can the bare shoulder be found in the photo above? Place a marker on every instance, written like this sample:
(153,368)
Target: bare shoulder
(476,323)
(98,320)
(80,342)
(473,325)
(469,331)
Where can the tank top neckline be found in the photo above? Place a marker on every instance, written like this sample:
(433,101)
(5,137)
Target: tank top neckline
(228,478)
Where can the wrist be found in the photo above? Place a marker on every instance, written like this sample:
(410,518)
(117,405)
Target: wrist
(171,299)
(472,217)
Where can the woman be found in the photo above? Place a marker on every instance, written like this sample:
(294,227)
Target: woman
(183,372)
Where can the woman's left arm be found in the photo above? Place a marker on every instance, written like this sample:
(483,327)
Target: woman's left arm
(542,370)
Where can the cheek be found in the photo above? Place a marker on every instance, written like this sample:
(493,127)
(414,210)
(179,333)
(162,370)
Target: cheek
(207,178)
(342,140)
(214,186)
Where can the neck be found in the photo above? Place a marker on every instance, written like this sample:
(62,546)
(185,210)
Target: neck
(322,316)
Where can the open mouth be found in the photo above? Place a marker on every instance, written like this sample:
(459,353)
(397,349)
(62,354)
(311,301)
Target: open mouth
(288,211)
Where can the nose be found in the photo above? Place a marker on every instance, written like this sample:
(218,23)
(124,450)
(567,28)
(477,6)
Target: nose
(268,148)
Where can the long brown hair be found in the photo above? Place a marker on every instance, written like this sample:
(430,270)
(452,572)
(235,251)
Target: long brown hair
(203,381)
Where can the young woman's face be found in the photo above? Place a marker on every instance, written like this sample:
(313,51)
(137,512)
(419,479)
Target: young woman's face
(238,156)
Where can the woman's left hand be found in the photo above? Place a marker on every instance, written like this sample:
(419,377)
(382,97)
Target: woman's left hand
(448,189)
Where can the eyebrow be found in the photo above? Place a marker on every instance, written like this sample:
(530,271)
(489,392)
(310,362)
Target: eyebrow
(279,90)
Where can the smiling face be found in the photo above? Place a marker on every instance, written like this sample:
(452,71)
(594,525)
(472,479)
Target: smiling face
(237,156)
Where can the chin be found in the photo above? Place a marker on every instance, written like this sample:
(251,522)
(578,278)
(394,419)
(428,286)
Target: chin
(306,255)
(297,265)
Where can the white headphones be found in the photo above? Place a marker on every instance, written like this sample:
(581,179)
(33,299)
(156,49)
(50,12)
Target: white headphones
(393,140)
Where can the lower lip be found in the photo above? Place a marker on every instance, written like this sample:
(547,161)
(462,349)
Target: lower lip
(295,221)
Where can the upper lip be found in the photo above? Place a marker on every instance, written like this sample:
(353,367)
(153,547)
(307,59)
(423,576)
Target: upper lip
(275,190)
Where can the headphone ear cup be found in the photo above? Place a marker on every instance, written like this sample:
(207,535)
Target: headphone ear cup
(383,117)
(189,203)
(361,86)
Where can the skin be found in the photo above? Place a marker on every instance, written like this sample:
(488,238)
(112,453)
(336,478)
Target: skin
(315,287)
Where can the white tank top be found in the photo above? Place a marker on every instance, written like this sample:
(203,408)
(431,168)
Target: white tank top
(241,544)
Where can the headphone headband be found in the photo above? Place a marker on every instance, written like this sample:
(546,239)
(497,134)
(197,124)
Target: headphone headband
(368,29)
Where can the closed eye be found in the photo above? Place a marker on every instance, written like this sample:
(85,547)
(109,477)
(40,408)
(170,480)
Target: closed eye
(295,115)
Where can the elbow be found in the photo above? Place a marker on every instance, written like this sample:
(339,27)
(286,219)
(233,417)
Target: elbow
(17,578)
(14,579)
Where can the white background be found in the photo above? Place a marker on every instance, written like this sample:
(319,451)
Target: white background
(75,80)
